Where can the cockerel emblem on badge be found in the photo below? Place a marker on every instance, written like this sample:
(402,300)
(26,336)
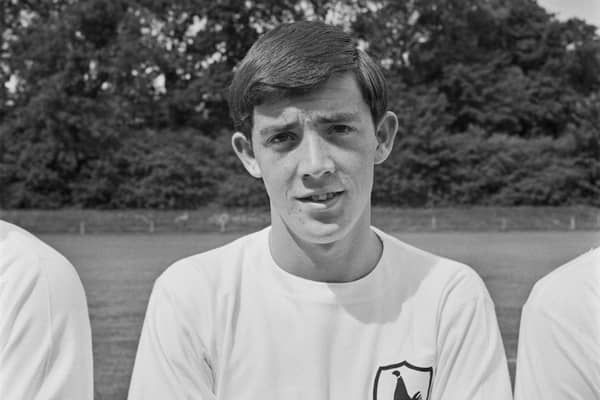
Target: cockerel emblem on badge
(402,381)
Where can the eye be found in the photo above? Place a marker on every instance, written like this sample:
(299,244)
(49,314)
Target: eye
(341,129)
(281,138)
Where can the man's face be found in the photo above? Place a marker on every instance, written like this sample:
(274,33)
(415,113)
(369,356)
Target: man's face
(316,154)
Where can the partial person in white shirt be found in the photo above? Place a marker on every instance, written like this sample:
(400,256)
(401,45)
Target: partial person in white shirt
(320,305)
(559,338)
(45,336)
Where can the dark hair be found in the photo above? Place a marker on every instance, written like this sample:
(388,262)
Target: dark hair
(295,58)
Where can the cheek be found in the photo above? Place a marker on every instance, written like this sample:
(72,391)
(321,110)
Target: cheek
(276,179)
(361,177)
(361,163)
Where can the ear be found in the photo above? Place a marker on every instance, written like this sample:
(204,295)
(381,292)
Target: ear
(243,149)
(385,133)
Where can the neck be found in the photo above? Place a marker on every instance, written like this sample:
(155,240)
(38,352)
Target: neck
(344,260)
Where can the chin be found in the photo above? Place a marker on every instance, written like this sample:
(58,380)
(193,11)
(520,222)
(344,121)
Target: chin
(320,233)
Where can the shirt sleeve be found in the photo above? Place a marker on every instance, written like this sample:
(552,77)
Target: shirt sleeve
(556,359)
(471,359)
(45,335)
(171,361)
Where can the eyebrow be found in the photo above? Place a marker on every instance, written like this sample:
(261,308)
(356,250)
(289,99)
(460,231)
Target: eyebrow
(277,128)
(338,117)
(320,119)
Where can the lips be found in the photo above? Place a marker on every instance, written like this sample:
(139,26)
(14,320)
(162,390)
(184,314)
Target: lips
(320,197)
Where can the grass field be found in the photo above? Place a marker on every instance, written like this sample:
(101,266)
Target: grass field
(118,270)
(390,219)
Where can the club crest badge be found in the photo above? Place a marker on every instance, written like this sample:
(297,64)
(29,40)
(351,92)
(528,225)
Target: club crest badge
(402,381)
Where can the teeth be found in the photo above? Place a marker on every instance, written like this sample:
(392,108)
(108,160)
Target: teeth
(322,197)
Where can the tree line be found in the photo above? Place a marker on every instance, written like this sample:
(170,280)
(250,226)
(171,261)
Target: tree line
(121,103)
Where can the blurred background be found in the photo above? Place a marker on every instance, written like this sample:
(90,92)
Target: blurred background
(114,138)
(121,103)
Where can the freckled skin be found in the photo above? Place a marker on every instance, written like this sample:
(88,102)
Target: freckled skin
(324,141)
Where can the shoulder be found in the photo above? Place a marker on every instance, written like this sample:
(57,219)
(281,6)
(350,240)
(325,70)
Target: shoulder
(42,306)
(569,289)
(216,270)
(198,293)
(449,281)
(25,259)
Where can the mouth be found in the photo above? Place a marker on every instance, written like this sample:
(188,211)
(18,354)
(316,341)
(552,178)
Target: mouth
(321,197)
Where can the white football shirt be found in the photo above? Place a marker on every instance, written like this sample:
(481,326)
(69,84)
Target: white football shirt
(45,337)
(559,338)
(230,324)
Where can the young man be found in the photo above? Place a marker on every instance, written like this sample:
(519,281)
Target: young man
(45,337)
(320,305)
(559,339)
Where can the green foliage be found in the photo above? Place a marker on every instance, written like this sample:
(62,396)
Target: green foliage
(167,170)
(122,103)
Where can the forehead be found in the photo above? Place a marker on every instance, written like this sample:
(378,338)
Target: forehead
(339,95)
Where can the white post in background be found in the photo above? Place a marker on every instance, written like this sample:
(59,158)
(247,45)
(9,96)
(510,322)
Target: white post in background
(147,220)
(572,226)
(433,223)
(222,220)
(82,227)
(504,224)
(182,219)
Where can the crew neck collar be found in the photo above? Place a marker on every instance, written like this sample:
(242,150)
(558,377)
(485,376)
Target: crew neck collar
(364,289)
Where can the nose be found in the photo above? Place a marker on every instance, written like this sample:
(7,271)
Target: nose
(315,156)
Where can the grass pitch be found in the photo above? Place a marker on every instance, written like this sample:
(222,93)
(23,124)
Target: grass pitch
(118,271)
